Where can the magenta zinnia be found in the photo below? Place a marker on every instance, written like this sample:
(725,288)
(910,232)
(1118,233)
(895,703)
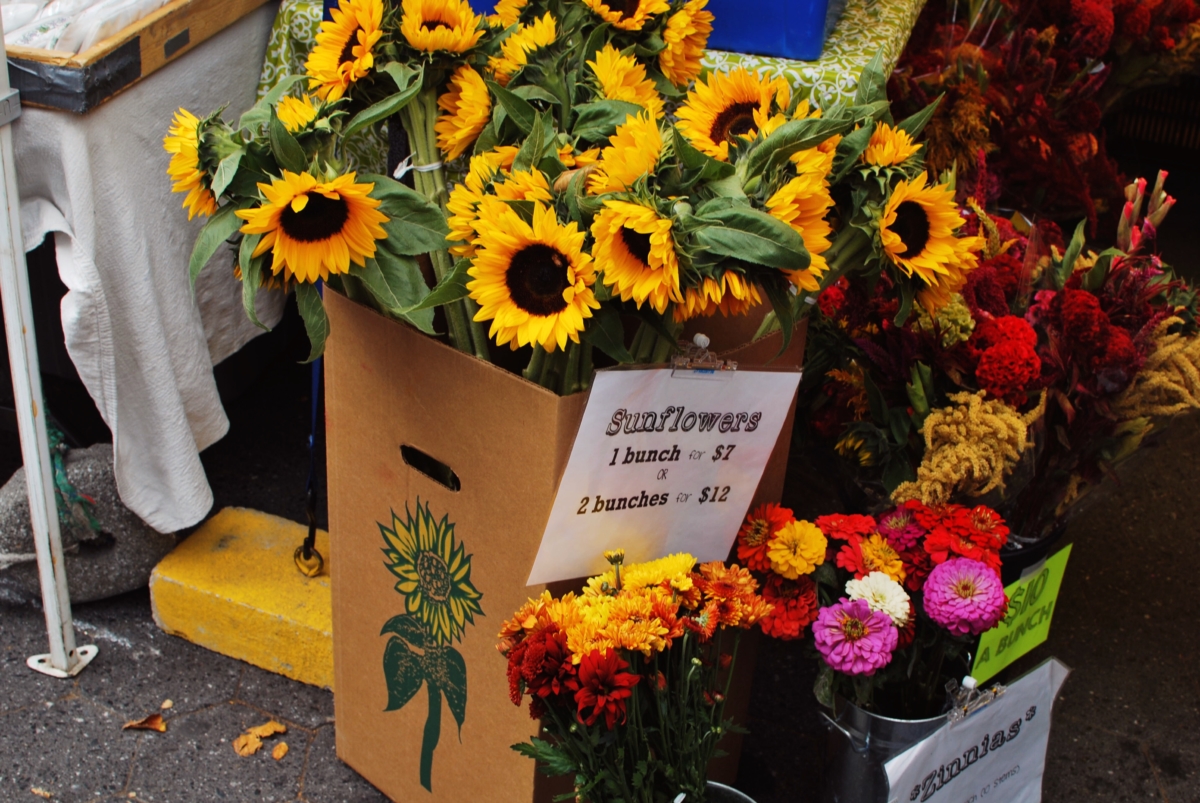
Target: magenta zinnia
(900,528)
(965,596)
(854,639)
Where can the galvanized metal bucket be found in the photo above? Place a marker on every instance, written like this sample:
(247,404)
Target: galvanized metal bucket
(720,793)
(859,744)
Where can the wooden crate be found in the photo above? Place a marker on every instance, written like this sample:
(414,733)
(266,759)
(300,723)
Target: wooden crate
(79,82)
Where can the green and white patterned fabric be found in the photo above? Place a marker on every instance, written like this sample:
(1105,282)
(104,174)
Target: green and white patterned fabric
(866,27)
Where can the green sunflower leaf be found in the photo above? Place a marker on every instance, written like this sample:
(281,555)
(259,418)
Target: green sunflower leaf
(534,145)
(260,112)
(519,109)
(1074,249)
(776,289)
(872,82)
(402,672)
(915,124)
(607,333)
(397,284)
(451,288)
(749,235)
(597,121)
(226,170)
(695,160)
(407,628)
(551,759)
(535,93)
(792,136)
(284,147)
(415,225)
(219,228)
(251,276)
(392,104)
(316,324)
(446,669)
(849,150)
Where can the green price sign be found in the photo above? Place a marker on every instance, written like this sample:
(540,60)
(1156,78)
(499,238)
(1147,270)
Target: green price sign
(1030,608)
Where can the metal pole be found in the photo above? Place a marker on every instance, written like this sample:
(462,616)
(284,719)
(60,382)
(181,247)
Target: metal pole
(64,659)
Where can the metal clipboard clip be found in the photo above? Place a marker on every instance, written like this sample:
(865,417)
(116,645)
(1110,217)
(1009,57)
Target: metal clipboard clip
(966,699)
(697,362)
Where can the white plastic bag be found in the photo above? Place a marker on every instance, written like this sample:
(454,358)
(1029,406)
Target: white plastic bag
(102,21)
(43,33)
(18,15)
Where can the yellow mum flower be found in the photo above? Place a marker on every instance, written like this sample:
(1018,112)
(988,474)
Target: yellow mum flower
(879,556)
(633,626)
(433,25)
(727,106)
(467,106)
(295,113)
(686,36)
(183,143)
(889,146)
(632,153)
(622,78)
(797,549)
(804,203)
(507,13)
(534,283)
(343,50)
(673,569)
(315,228)
(636,252)
(515,50)
(628,15)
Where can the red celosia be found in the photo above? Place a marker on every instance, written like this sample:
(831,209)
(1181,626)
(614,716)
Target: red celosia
(1117,361)
(796,606)
(1007,370)
(831,300)
(603,688)
(756,533)
(845,527)
(984,293)
(1005,329)
(1082,322)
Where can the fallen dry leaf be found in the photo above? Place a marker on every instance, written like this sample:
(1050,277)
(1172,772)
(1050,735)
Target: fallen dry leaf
(167,704)
(42,793)
(267,729)
(247,745)
(280,751)
(154,722)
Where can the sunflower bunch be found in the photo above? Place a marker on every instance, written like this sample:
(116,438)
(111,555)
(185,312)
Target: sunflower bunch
(275,189)
(629,677)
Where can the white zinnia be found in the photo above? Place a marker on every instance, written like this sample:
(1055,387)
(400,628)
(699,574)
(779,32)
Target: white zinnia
(882,593)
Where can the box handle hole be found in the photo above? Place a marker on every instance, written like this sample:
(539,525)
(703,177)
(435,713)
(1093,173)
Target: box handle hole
(431,467)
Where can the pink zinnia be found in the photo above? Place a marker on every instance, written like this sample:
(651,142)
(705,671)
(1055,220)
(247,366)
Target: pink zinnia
(900,528)
(854,639)
(965,596)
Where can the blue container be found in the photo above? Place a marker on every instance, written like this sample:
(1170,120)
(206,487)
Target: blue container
(791,29)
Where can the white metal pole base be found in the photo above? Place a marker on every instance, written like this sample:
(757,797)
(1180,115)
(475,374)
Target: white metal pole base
(78,659)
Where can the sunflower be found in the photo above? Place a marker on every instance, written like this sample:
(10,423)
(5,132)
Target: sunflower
(632,152)
(465,199)
(732,294)
(468,106)
(515,50)
(889,146)
(432,25)
(622,78)
(730,105)
(534,283)
(434,573)
(315,228)
(628,15)
(183,143)
(572,159)
(342,53)
(803,204)
(635,251)
(686,36)
(295,113)
(917,233)
(507,13)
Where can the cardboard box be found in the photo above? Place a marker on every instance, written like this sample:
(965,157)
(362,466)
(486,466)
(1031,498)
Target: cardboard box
(414,425)
(78,82)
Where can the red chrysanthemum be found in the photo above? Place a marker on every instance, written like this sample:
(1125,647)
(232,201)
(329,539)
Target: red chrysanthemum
(603,688)
(845,527)
(704,621)
(541,667)
(756,533)
(796,606)
(1007,370)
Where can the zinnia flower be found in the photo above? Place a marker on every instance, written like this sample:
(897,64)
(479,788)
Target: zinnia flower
(794,606)
(603,688)
(755,536)
(965,596)
(871,554)
(900,527)
(797,549)
(853,639)
(882,593)
(845,527)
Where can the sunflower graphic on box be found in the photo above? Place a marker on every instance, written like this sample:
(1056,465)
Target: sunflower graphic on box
(434,577)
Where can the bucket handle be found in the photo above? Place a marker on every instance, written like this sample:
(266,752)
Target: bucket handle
(866,743)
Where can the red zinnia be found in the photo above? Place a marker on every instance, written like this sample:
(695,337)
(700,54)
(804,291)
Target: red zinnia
(756,534)
(845,527)
(989,529)
(945,542)
(917,566)
(603,688)
(796,606)
(907,633)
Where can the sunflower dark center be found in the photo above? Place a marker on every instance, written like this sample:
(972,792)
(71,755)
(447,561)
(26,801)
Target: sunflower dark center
(320,219)
(626,8)
(536,279)
(348,50)
(637,244)
(433,25)
(435,577)
(912,224)
(736,120)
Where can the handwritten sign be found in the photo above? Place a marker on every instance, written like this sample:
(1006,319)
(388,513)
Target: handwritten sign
(665,461)
(998,753)
(1030,608)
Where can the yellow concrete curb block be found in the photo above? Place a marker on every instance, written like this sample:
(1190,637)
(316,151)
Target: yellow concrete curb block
(233,587)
